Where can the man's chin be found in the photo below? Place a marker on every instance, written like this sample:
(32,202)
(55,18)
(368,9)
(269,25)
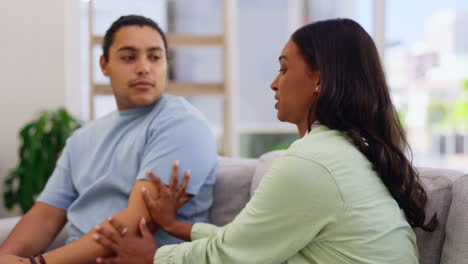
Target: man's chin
(145,101)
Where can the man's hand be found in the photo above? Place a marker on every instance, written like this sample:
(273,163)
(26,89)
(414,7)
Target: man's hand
(128,248)
(10,259)
(163,208)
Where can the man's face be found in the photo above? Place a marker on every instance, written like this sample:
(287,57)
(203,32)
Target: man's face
(136,67)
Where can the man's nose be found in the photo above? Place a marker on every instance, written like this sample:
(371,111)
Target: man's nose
(142,67)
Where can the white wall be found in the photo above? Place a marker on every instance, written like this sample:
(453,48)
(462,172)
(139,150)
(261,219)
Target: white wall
(33,69)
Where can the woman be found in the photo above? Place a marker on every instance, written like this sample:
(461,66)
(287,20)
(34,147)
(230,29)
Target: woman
(343,193)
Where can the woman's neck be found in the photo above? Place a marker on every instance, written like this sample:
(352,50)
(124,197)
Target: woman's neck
(304,125)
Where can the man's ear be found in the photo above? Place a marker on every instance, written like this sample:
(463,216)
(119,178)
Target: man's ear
(103,64)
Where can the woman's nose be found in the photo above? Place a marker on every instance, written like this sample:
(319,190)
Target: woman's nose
(274,84)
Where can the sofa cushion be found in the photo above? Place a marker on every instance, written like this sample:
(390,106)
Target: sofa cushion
(438,184)
(264,163)
(455,250)
(232,188)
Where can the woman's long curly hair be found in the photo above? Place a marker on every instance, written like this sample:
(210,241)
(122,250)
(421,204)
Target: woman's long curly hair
(354,98)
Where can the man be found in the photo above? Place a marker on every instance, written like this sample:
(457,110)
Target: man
(101,162)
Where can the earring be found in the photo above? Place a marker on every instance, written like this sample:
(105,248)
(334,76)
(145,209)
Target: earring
(317,88)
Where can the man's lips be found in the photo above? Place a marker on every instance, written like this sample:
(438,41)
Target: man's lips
(142,84)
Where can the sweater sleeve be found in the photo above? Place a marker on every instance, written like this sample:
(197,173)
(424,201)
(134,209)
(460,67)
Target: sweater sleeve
(295,200)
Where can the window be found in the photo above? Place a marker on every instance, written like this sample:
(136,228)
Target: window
(422,43)
(426,60)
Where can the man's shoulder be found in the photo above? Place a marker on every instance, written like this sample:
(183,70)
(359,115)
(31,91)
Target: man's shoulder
(178,111)
(96,125)
(179,106)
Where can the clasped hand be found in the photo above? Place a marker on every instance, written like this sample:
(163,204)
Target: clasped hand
(162,206)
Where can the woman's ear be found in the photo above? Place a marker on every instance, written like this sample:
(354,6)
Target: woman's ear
(319,78)
(315,76)
(317,81)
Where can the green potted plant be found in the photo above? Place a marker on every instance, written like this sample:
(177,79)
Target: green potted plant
(42,141)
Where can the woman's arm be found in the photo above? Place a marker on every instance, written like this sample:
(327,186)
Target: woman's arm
(295,200)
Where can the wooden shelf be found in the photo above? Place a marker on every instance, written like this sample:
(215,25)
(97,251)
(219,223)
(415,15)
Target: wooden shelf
(195,89)
(179,40)
(177,88)
(102,89)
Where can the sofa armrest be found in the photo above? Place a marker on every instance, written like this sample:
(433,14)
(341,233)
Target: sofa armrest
(7,224)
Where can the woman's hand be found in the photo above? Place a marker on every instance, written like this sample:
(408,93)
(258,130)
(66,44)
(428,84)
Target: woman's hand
(163,207)
(129,248)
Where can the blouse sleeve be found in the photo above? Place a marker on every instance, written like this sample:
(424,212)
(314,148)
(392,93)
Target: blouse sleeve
(202,230)
(296,199)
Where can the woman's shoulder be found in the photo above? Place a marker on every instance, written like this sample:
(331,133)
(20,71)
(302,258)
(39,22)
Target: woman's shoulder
(322,144)
(333,150)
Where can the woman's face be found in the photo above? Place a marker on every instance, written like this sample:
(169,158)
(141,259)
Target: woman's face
(296,87)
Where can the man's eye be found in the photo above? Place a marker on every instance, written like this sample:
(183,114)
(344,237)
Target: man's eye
(154,58)
(127,58)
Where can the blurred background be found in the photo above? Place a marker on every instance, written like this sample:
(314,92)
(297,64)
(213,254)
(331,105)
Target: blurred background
(223,59)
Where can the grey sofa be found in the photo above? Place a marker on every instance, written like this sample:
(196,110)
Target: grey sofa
(238,178)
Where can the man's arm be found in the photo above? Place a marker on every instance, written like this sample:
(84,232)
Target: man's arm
(86,249)
(35,231)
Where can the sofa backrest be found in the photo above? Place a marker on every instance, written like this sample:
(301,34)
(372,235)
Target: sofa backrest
(232,188)
(236,180)
(455,250)
(438,184)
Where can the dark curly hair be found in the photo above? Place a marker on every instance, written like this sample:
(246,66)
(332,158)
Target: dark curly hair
(355,99)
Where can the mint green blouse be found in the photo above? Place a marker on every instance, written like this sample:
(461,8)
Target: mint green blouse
(321,202)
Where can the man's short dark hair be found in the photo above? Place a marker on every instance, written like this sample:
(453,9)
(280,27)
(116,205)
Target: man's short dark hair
(130,20)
